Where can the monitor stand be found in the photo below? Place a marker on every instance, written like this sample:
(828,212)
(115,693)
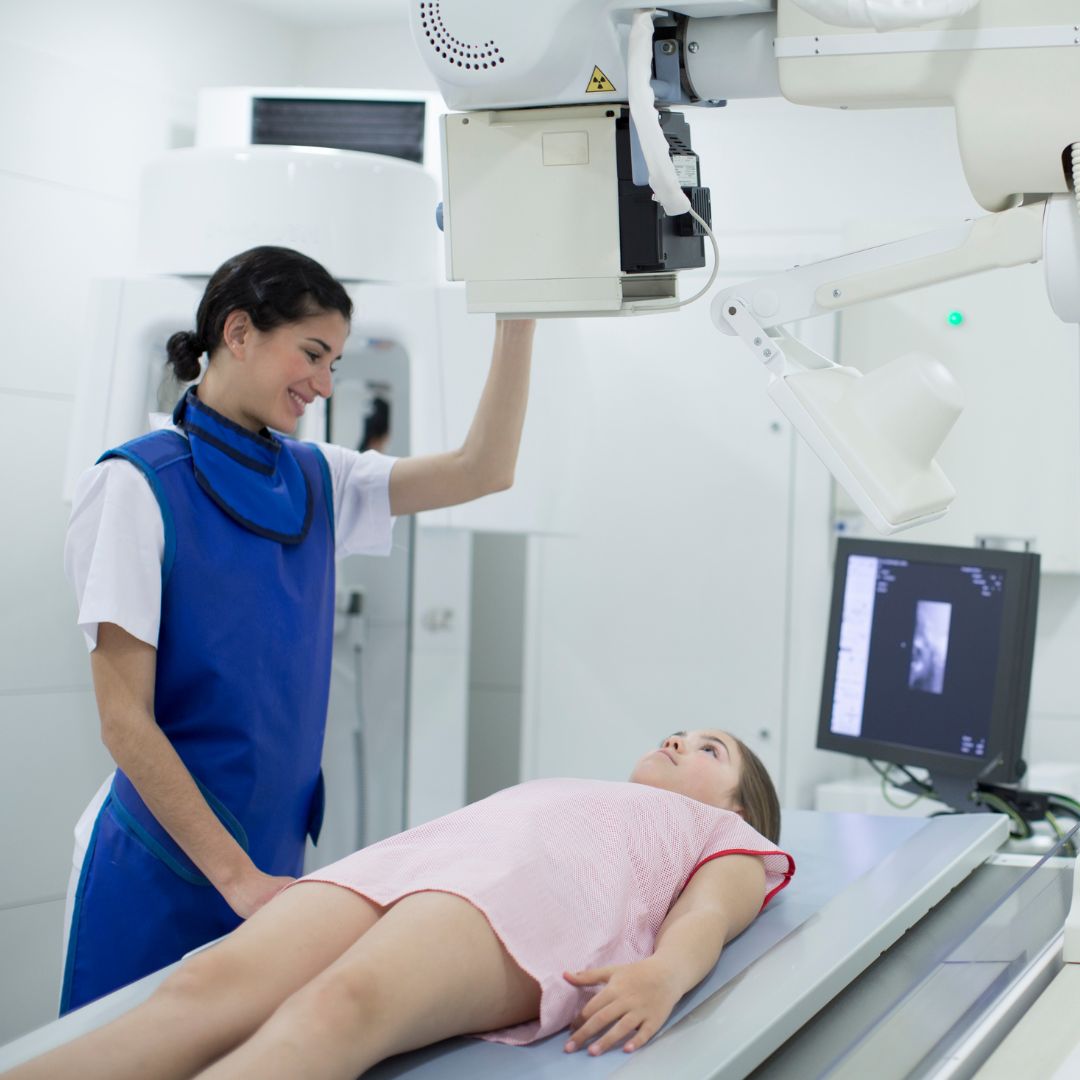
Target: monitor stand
(954,791)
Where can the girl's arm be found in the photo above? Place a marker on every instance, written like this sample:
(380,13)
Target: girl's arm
(485,462)
(720,901)
(124,671)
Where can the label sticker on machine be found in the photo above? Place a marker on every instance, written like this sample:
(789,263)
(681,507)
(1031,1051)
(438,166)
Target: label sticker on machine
(686,169)
(599,83)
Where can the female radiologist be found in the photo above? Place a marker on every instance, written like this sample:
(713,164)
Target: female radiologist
(202,557)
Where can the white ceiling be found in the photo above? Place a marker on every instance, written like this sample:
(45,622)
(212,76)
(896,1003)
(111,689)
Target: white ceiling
(324,12)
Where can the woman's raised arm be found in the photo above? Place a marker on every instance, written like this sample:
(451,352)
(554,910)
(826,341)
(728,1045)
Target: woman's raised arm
(485,462)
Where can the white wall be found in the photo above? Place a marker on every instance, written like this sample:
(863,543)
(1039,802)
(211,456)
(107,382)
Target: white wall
(496,662)
(1054,715)
(89,92)
(376,55)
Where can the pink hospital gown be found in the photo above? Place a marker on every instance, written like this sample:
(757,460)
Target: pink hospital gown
(571,874)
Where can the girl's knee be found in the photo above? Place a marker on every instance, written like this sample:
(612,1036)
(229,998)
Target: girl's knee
(339,1001)
(198,980)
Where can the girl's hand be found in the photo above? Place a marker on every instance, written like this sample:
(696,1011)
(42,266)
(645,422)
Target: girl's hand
(636,1000)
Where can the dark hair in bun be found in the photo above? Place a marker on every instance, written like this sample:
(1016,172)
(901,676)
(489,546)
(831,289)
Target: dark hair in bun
(185,349)
(274,285)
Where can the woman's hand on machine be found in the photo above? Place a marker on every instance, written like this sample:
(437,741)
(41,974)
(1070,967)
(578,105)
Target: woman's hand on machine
(251,890)
(635,1001)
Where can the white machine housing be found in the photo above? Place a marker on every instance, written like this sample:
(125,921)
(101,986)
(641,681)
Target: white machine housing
(1010,70)
(518,55)
(532,214)
(535,212)
(366,217)
(529,189)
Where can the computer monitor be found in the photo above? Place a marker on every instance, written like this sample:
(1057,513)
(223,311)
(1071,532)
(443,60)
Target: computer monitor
(928,660)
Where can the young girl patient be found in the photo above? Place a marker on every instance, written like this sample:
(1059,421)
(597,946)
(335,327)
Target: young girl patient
(587,903)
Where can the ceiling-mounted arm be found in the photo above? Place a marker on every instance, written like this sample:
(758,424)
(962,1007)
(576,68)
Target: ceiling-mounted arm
(877,433)
(1010,238)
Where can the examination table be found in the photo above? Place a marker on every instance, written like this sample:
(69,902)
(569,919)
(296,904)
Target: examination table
(815,954)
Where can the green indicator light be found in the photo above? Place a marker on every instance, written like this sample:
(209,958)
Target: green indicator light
(956,318)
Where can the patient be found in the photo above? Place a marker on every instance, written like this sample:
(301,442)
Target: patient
(469,924)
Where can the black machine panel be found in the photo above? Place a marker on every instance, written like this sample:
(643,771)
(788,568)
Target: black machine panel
(652,242)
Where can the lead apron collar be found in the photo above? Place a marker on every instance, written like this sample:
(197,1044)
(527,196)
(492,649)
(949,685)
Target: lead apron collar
(252,477)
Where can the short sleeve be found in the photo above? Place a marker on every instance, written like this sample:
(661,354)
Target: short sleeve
(733,836)
(361,486)
(113,551)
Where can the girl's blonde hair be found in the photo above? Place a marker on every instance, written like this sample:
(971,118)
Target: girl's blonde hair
(756,794)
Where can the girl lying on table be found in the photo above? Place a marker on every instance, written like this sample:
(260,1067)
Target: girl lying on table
(593,904)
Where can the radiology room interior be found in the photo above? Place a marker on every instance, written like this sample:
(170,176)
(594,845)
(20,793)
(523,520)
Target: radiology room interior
(680,575)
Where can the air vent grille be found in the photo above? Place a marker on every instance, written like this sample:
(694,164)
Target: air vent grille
(467,55)
(395,128)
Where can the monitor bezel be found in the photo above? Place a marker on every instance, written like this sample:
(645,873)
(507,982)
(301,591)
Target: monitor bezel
(1008,718)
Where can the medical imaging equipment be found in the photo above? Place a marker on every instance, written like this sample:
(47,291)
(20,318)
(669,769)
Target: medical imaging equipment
(569,188)
(928,662)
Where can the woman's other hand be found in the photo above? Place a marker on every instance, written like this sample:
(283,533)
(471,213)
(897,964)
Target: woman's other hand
(252,890)
(635,1001)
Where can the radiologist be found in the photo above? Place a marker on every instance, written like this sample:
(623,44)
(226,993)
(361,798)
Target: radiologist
(202,559)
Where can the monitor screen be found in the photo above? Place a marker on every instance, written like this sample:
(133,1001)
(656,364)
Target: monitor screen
(928,659)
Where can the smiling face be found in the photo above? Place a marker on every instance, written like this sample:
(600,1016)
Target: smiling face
(705,765)
(276,374)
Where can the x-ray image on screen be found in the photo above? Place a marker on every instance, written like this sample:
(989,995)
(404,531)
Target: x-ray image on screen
(928,656)
(930,646)
(916,646)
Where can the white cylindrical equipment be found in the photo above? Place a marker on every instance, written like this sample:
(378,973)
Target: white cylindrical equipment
(365,217)
(1061,250)
(885,14)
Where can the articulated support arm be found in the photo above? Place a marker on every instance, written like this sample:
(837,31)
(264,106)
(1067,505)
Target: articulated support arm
(1006,239)
(878,433)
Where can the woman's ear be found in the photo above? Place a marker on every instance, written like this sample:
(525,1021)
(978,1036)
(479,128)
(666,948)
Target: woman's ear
(236,332)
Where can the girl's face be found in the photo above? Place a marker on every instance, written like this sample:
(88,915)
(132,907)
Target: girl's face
(703,765)
(285,369)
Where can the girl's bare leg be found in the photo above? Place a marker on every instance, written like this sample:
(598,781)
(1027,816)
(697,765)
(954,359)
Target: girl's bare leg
(215,1000)
(430,968)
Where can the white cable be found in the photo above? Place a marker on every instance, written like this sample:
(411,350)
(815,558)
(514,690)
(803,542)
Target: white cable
(715,265)
(654,145)
(708,284)
(885,14)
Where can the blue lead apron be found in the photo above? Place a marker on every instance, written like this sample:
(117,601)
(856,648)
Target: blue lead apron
(243,675)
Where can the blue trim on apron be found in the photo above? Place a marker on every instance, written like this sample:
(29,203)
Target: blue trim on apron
(251,476)
(128,822)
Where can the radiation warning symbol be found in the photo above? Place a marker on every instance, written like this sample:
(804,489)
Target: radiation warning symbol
(599,83)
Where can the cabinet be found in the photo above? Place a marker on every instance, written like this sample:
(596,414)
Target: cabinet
(1014,454)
